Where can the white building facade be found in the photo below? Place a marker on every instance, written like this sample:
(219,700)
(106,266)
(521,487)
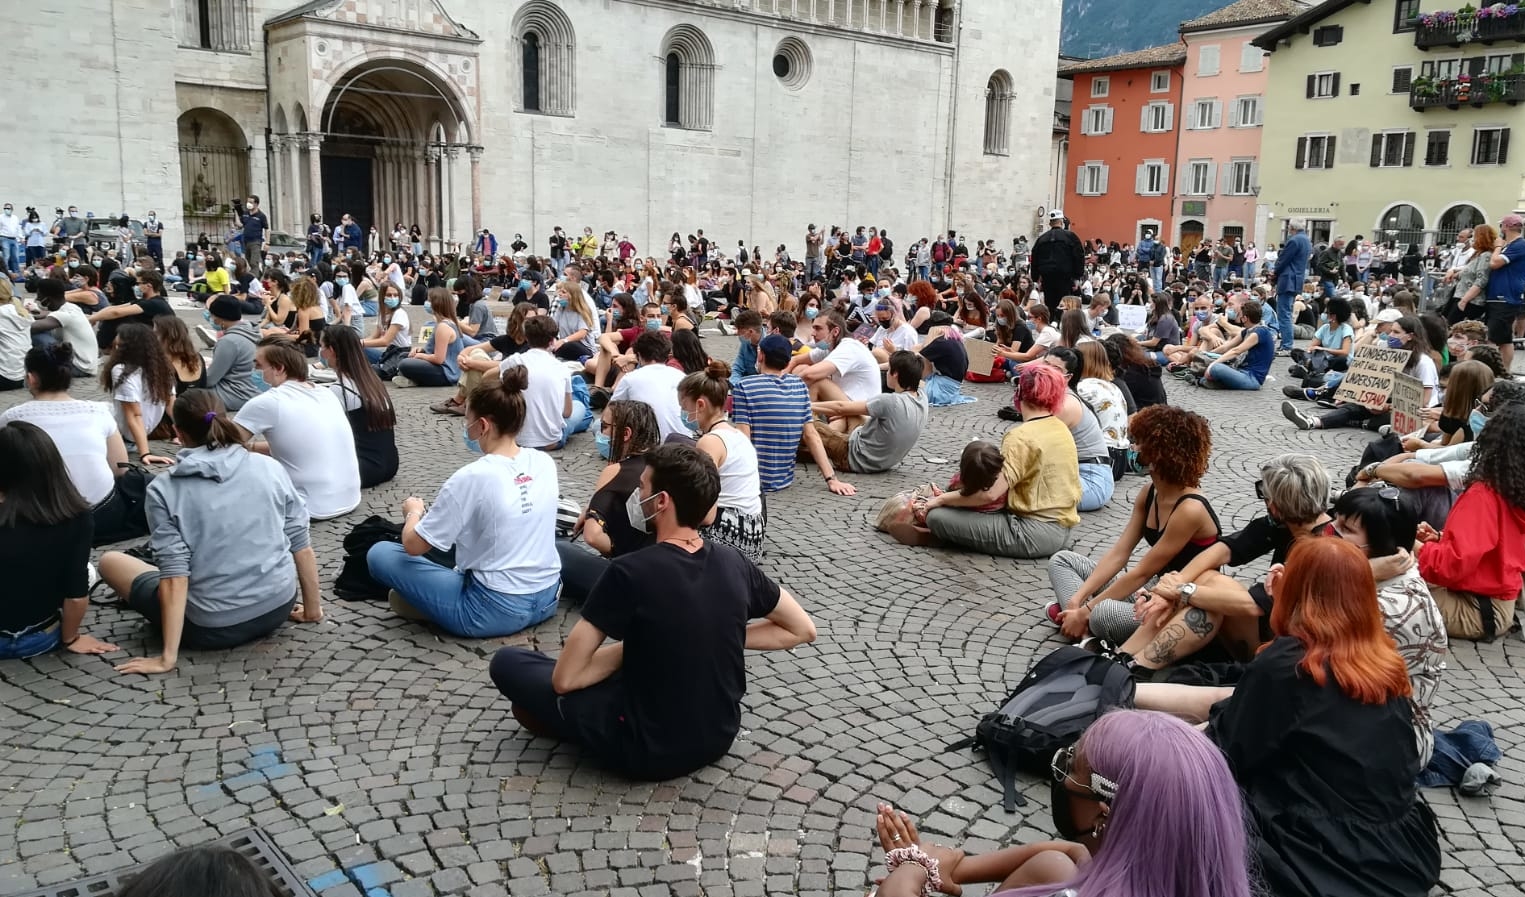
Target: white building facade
(747,118)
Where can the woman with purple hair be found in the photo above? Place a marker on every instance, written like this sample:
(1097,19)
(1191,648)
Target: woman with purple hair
(1147,807)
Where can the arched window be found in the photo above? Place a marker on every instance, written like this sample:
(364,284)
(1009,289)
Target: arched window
(1457,219)
(216,25)
(1402,224)
(688,79)
(998,97)
(547,59)
(530,53)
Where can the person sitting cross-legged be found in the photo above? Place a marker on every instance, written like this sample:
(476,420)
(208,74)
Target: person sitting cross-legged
(662,699)
(839,367)
(230,538)
(875,435)
(1185,611)
(498,513)
(1039,481)
(773,409)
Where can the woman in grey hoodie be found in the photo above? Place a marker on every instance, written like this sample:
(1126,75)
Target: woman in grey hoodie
(229,534)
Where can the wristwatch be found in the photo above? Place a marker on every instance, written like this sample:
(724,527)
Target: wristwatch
(1187,590)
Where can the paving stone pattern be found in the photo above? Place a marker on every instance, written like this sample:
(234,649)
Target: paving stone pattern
(379,757)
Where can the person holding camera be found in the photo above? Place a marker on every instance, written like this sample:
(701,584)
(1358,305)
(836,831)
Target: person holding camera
(10,240)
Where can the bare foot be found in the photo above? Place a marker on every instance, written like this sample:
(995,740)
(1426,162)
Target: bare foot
(299,615)
(896,830)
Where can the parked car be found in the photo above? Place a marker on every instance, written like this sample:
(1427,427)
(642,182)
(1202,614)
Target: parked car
(100,233)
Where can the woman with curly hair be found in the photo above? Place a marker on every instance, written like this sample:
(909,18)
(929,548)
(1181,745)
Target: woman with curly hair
(924,297)
(1172,515)
(1474,565)
(142,384)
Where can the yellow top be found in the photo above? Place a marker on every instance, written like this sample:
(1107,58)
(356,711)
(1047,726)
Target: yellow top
(1042,471)
(217,279)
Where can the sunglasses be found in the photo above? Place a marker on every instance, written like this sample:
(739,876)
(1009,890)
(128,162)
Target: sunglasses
(1062,766)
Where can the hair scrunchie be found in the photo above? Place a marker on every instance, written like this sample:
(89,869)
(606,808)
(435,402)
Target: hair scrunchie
(209,416)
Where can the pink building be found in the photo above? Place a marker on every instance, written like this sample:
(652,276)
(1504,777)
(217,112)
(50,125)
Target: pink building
(1222,107)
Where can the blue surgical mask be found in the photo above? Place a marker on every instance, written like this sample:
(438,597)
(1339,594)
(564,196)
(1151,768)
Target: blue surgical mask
(601,442)
(811,312)
(73,264)
(341,281)
(137,292)
(689,421)
(666,310)
(206,315)
(472,445)
(1203,316)
(386,260)
(393,301)
(1233,314)
(258,379)
(1001,322)
(525,285)
(561,303)
(1394,342)
(653,324)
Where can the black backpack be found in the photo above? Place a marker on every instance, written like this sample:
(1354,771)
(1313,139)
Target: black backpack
(887,251)
(354,582)
(1048,710)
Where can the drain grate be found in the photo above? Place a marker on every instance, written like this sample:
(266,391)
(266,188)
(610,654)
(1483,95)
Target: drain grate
(252,843)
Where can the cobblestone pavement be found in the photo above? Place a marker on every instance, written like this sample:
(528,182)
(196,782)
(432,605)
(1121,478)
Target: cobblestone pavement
(376,752)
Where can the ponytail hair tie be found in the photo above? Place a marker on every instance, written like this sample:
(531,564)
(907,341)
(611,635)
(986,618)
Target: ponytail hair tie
(209,417)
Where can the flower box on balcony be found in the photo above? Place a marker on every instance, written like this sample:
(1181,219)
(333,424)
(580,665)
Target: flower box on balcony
(1498,22)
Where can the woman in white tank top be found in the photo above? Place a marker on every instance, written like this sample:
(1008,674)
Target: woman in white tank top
(739,509)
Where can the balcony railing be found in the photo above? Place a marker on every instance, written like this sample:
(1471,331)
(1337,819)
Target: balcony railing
(1479,92)
(1470,29)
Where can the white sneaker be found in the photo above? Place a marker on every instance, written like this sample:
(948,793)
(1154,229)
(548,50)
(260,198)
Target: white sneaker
(320,374)
(92,576)
(724,326)
(402,382)
(208,336)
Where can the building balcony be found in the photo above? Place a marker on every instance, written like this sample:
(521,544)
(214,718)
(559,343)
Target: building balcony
(1451,30)
(1479,92)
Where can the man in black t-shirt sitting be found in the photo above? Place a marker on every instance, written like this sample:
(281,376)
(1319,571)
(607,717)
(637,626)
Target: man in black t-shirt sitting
(663,697)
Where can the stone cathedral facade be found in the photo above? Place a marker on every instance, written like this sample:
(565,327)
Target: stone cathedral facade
(747,118)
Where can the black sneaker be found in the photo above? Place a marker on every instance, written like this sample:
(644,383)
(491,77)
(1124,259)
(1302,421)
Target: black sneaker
(1290,412)
(1007,412)
(1296,392)
(1325,402)
(1297,372)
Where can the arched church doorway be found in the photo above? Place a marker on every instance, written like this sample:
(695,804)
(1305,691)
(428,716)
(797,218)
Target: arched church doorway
(392,135)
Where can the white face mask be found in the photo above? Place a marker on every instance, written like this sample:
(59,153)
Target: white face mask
(635,512)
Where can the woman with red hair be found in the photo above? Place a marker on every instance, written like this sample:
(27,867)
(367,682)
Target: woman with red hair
(1039,482)
(1319,735)
(925,299)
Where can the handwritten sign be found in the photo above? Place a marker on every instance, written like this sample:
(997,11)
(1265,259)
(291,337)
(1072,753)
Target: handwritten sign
(1372,372)
(1406,397)
(981,356)
(1130,318)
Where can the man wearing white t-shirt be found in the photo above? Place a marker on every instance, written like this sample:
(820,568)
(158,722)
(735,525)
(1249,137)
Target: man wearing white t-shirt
(655,383)
(305,429)
(550,407)
(840,368)
(65,323)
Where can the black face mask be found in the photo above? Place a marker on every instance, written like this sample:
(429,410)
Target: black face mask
(1064,819)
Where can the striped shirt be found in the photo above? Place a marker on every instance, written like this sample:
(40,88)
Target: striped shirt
(776,407)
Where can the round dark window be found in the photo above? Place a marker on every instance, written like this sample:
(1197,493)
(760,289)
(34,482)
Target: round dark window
(781,66)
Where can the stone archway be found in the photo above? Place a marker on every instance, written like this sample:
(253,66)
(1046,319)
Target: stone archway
(392,135)
(214,171)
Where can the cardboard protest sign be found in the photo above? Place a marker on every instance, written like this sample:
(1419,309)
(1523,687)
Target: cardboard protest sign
(1406,397)
(981,356)
(1369,381)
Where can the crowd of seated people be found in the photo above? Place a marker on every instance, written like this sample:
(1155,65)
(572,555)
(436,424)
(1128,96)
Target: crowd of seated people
(289,420)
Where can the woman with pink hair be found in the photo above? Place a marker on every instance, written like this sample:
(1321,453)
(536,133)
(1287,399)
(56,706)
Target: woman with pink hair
(1039,482)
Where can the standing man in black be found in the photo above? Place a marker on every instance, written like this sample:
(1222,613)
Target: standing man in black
(558,251)
(1058,261)
(254,224)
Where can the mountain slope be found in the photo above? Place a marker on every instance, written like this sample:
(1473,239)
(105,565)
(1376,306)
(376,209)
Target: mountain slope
(1093,28)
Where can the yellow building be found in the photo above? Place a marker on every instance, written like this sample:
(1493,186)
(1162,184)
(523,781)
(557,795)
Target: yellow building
(1391,119)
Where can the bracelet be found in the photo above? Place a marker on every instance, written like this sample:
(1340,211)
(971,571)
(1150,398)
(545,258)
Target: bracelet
(895,858)
(71,641)
(830,478)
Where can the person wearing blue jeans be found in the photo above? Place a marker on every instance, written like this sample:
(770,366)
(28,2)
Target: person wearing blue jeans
(497,513)
(1290,271)
(1256,343)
